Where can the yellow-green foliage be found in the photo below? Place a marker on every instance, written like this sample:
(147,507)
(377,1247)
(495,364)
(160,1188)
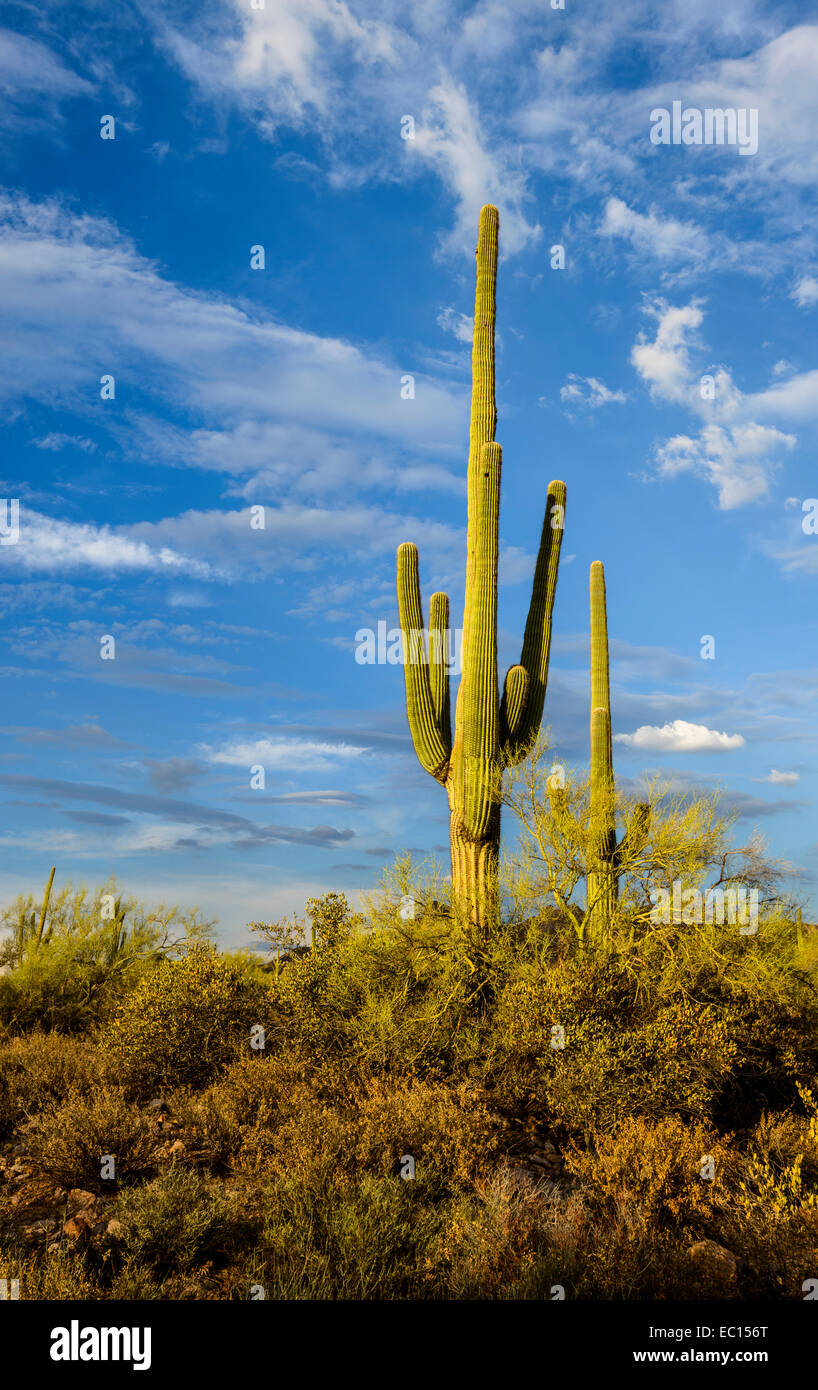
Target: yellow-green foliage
(395,996)
(379,1046)
(782,1169)
(184,1021)
(622,1052)
(657,1174)
(93,948)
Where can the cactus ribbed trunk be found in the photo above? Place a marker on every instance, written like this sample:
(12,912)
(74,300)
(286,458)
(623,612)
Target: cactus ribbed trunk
(474,867)
(488,731)
(602,880)
(605,855)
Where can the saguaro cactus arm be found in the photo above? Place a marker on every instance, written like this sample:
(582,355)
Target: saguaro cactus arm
(432,751)
(636,836)
(537,638)
(600,661)
(512,706)
(46,900)
(440,660)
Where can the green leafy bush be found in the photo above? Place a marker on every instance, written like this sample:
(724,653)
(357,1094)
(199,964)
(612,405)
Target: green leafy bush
(183,1023)
(93,948)
(638,1043)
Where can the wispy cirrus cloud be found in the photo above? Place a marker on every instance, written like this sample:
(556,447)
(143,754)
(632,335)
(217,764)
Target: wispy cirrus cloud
(209,819)
(589,392)
(295,754)
(31,72)
(241,373)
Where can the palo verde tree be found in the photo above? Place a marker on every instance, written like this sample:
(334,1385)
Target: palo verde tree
(489,732)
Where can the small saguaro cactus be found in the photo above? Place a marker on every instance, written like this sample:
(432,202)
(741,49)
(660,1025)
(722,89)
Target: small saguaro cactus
(31,930)
(46,900)
(489,732)
(605,855)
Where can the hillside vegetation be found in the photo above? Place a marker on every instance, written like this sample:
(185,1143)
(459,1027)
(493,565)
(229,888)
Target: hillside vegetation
(408,1108)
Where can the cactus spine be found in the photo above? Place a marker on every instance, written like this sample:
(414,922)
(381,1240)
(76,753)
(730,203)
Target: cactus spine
(488,731)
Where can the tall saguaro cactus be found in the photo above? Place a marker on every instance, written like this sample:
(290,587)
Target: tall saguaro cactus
(488,732)
(605,854)
(602,885)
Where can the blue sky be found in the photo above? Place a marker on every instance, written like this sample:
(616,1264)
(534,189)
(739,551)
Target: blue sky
(281,387)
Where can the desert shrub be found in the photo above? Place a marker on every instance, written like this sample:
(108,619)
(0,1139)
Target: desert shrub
(93,948)
(780,1139)
(689,1038)
(487,1246)
(391,998)
(291,1114)
(180,1220)
(69,1143)
(62,1274)
(781,1168)
(183,1023)
(622,1052)
(237,1115)
(450,1132)
(650,1176)
(776,1249)
(345,1238)
(39,1070)
(285,1113)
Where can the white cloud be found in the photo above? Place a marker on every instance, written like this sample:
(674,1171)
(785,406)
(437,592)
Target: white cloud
(29,69)
(275,755)
(461,325)
(738,462)
(782,779)
(450,138)
(663,238)
(779,81)
(795,399)
(301,535)
(45,544)
(680,737)
(347,72)
(805,293)
(77,294)
(664,364)
(317,65)
(588,391)
(57,442)
(733,451)
(288,56)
